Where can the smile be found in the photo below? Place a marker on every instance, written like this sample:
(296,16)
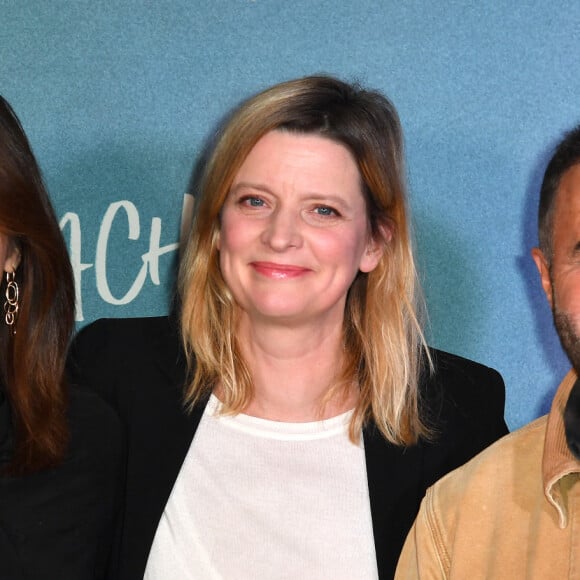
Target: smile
(279,271)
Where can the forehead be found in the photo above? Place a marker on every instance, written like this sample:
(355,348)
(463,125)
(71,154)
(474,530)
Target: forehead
(312,155)
(566,220)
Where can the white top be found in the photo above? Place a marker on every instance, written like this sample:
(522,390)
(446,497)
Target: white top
(258,499)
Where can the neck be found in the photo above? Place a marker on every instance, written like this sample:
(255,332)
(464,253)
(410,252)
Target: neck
(295,372)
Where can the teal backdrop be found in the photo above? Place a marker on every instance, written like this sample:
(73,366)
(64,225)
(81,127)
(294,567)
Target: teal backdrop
(119,98)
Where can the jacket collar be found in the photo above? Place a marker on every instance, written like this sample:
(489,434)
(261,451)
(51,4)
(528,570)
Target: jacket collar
(559,466)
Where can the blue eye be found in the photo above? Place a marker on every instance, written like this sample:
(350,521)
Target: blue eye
(324,210)
(252,201)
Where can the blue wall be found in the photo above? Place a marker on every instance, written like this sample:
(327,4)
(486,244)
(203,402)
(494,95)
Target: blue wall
(118,99)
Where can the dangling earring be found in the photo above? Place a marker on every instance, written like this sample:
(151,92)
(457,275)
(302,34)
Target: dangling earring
(11,304)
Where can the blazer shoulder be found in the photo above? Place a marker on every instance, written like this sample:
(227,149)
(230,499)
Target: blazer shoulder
(462,382)
(462,402)
(116,354)
(119,330)
(119,338)
(453,366)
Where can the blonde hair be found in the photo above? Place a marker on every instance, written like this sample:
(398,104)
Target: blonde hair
(385,350)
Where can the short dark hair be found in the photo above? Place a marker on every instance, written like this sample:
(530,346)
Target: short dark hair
(566,155)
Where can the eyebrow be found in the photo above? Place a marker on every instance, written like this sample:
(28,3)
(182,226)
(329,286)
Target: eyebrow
(248,185)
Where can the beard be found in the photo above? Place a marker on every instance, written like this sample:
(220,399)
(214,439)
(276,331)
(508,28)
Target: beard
(569,336)
(570,340)
(571,345)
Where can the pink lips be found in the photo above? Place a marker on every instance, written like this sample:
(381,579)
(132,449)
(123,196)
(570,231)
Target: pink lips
(279,271)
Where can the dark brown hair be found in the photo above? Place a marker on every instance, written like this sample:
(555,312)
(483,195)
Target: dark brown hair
(32,360)
(566,155)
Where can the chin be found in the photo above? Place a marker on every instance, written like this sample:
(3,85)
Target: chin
(282,314)
(277,306)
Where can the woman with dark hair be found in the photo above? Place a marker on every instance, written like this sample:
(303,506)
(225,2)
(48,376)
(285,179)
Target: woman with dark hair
(60,449)
(292,428)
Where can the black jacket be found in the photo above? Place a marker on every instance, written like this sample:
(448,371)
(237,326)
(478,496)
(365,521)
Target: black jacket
(59,522)
(138,367)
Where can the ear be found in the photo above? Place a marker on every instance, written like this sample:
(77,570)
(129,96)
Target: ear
(376,248)
(544,270)
(12,260)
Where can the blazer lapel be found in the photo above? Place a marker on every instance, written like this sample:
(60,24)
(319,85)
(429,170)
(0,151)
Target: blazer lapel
(393,475)
(160,435)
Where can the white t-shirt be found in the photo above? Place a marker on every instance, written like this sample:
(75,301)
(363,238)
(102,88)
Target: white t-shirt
(258,499)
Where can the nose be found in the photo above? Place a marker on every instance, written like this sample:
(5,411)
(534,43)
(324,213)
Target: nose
(282,230)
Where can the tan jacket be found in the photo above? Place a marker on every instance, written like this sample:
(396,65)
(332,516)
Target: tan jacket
(511,512)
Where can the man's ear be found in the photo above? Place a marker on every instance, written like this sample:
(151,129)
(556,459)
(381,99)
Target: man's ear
(544,270)
(376,248)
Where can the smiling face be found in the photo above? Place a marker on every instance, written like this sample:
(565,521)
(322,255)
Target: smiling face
(561,277)
(294,230)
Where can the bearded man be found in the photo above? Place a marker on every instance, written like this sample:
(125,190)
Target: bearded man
(514,510)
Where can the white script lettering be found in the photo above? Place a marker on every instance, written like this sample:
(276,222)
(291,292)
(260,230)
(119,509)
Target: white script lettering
(149,260)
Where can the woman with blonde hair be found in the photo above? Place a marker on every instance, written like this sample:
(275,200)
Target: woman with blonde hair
(60,448)
(295,430)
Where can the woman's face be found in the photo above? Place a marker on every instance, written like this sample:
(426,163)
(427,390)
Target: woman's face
(294,230)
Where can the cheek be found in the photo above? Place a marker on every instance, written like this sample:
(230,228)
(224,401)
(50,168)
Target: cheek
(567,294)
(231,234)
(236,245)
(344,247)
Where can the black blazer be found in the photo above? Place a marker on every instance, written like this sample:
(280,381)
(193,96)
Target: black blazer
(58,522)
(138,367)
